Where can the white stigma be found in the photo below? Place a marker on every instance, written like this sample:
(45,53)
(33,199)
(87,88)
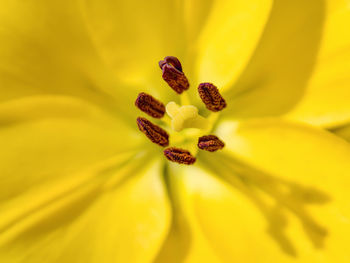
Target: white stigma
(185,117)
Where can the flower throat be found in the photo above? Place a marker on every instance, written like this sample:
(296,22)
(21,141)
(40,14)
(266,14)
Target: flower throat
(182,117)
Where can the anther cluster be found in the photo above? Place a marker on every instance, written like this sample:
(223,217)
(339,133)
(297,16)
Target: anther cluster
(176,79)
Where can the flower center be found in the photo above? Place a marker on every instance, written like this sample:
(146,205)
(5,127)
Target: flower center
(182,117)
(185,117)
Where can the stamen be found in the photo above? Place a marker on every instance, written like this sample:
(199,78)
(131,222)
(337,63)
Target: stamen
(153,132)
(210,143)
(211,97)
(150,105)
(179,156)
(173,75)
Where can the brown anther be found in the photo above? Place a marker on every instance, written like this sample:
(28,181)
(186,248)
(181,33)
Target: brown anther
(150,105)
(174,61)
(153,132)
(211,97)
(210,143)
(173,75)
(179,155)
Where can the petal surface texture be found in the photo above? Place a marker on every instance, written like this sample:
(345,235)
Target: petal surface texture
(118,221)
(278,71)
(300,66)
(46,49)
(228,39)
(326,98)
(74,184)
(132,36)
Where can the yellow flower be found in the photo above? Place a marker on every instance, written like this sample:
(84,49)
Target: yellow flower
(80,183)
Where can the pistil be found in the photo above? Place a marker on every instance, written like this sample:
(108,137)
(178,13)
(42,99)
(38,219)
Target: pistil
(185,117)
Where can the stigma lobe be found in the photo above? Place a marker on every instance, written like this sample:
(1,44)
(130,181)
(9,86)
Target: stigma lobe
(150,105)
(210,143)
(180,156)
(153,132)
(211,97)
(173,75)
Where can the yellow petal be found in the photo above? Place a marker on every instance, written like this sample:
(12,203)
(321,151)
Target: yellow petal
(228,39)
(297,179)
(49,138)
(45,49)
(63,161)
(96,222)
(278,73)
(185,241)
(223,223)
(132,36)
(327,95)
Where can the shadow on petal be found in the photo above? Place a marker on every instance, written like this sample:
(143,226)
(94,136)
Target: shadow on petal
(342,131)
(178,241)
(274,197)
